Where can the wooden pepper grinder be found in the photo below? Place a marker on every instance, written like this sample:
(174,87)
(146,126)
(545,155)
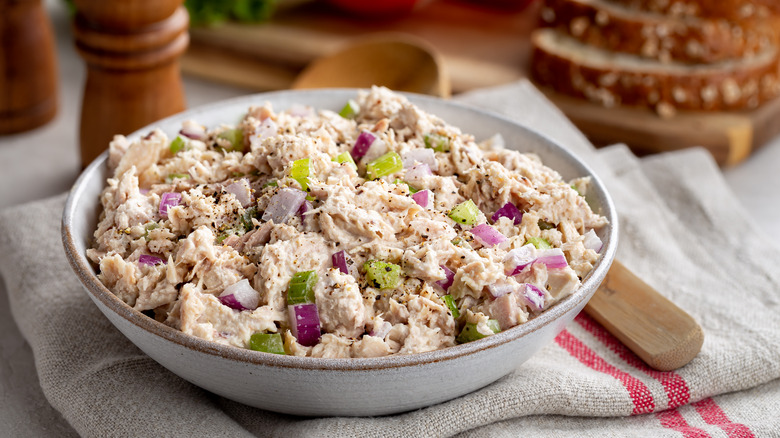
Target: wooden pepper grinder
(28,67)
(132,50)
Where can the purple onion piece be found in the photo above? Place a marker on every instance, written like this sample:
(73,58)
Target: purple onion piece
(592,241)
(305,323)
(553,258)
(418,173)
(362,144)
(283,205)
(382,330)
(501,288)
(168,200)
(240,296)
(150,260)
(194,132)
(423,198)
(339,260)
(487,235)
(534,296)
(517,259)
(241,190)
(508,210)
(449,276)
(421,156)
(306,206)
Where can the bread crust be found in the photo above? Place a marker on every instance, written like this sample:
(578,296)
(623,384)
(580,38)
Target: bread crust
(733,10)
(658,86)
(694,40)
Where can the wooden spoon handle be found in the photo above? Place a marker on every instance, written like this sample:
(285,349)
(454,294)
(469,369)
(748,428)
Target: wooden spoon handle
(659,332)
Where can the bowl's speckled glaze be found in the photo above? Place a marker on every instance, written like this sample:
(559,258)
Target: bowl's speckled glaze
(316,386)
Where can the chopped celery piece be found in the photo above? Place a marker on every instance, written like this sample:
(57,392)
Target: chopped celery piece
(150,227)
(350,110)
(235,137)
(301,288)
(576,189)
(271,184)
(246,218)
(174,176)
(382,275)
(437,142)
(345,157)
(177,144)
(470,332)
(221,237)
(412,190)
(267,343)
(300,172)
(450,302)
(539,242)
(387,164)
(544,225)
(465,213)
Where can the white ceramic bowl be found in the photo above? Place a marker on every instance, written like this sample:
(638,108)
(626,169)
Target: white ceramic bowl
(317,386)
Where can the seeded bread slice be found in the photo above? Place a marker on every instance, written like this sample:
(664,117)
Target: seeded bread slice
(734,10)
(570,67)
(615,27)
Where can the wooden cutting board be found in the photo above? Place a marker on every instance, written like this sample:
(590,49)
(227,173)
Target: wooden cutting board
(480,47)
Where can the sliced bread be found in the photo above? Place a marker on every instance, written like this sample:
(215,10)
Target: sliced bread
(733,10)
(613,26)
(571,67)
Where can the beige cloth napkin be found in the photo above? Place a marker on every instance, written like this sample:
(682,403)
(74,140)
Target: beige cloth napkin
(682,231)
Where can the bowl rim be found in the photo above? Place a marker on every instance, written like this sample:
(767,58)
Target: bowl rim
(82,267)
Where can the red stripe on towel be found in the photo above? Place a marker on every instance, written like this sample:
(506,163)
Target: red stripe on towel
(675,386)
(711,413)
(673,419)
(639,393)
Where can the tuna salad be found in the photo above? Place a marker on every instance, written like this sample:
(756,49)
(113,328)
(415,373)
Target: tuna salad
(376,230)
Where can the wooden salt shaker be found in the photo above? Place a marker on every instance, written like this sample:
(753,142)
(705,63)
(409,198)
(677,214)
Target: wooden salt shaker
(28,67)
(132,50)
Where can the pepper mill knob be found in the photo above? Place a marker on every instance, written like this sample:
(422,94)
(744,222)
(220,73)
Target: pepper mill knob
(132,50)
(28,67)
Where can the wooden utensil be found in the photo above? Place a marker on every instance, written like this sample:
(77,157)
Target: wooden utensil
(132,50)
(659,332)
(399,62)
(28,67)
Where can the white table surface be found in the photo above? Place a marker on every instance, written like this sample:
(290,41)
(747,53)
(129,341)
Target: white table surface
(45,162)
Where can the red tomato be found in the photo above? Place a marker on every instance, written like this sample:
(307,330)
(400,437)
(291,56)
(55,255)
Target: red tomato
(375,8)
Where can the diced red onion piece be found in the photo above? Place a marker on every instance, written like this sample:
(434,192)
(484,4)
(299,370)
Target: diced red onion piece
(508,210)
(534,296)
(418,173)
(487,235)
(592,241)
(241,190)
(382,330)
(449,276)
(362,144)
(339,260)
(305,323)
(283,205)
(305,207)
(268,128)
(240,296)
(519,258)
(195,132)
(553,258)
(421,156)
(423,198)
(168,200)
(150,260)
(144,191)
(501,288)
